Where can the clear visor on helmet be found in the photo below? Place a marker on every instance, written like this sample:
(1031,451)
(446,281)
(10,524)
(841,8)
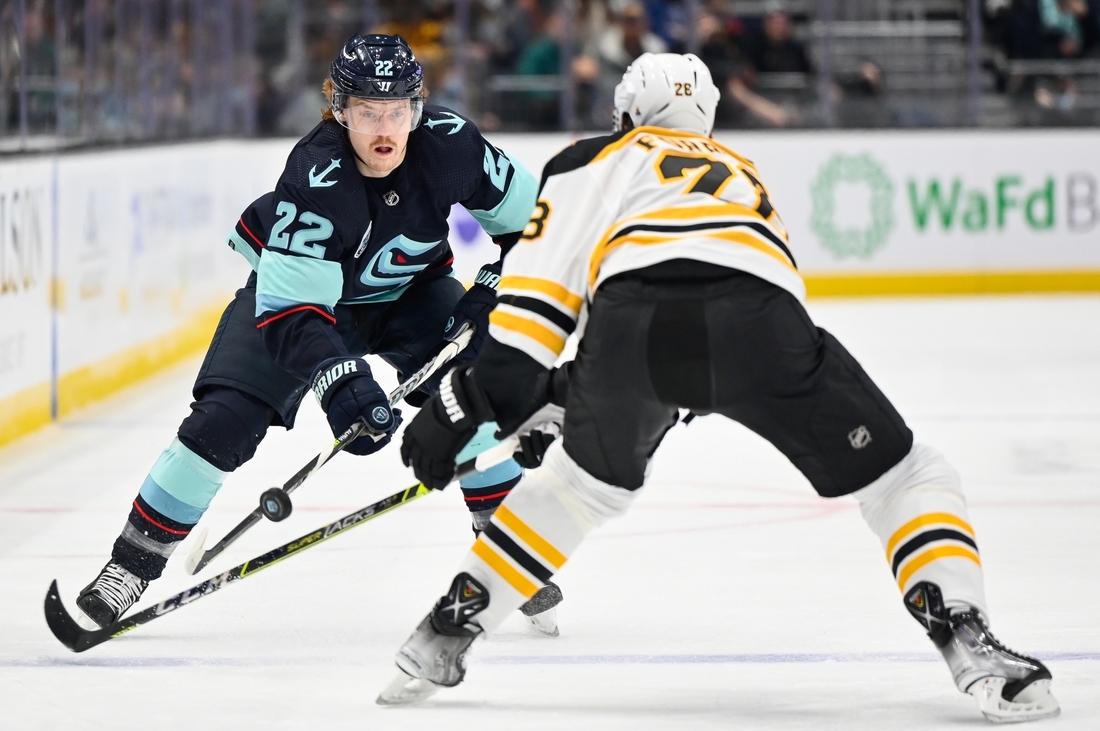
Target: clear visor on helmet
(380,117)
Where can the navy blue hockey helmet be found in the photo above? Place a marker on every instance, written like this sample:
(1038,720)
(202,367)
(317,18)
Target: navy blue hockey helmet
(376,67)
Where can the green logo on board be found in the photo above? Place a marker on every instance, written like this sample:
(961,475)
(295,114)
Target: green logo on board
(852,170)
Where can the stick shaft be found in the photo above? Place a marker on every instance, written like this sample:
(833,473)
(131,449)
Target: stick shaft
(77,640)
(196,563)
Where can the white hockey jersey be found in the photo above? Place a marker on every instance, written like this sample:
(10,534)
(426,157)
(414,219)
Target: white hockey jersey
(627,201)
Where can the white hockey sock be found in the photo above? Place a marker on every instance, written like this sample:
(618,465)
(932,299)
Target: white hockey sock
(536,529)
(919,513)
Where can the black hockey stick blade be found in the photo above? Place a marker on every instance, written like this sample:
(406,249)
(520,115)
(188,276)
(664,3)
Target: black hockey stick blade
(199,557)
(78,639)
(63,626)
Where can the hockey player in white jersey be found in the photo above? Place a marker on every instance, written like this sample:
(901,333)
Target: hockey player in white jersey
(667,245)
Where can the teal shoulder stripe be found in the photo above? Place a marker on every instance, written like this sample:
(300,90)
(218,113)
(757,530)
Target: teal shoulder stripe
(512,213)
(299,279)
(241,246)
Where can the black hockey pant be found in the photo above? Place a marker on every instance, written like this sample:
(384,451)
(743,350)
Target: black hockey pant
(687,335)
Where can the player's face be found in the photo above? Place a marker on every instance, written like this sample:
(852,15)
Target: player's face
(379,132)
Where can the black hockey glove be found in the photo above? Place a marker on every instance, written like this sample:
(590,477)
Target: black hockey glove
(348,393)
(474,307)
(438,433)
(540,429)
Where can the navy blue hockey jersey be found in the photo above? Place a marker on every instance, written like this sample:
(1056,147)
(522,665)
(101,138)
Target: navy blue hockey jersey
(328,235)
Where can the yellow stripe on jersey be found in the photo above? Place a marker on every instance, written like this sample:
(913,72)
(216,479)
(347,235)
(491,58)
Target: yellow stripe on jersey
(528,535)
(536,331)
(679,213)
(923,559)
(737,237)
(921,521)
(518,581)
(545,286)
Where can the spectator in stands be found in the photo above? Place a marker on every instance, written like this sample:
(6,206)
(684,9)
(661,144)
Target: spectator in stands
(41,70)
(774,50)
(721,43)
(625,40)
(1060,19)
(543,58)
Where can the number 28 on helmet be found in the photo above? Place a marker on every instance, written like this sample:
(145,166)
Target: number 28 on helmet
(377,86)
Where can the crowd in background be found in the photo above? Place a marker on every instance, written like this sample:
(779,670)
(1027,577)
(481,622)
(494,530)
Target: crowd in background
(151,69)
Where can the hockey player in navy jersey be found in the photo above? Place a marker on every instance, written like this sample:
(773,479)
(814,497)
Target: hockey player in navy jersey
(666,244)
(349,257)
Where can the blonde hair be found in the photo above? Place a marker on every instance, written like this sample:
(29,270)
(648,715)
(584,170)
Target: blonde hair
(328,90)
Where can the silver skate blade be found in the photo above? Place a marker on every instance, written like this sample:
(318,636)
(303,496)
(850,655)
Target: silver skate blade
(85,622)
(192,561)
(545,623)
(1033,703)
(405,689)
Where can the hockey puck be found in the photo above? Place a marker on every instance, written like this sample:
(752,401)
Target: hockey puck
(275,504)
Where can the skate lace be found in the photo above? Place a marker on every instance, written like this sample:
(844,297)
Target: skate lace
(997,644)
(118,587)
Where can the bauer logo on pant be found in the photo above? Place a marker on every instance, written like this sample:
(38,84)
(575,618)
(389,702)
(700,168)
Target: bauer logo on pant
(859,437)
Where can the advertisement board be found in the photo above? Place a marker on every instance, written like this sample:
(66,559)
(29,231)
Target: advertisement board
(26,263)
(114,263)
(912,212)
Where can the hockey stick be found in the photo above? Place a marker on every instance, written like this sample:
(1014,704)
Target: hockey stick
(198,558)
(78,639)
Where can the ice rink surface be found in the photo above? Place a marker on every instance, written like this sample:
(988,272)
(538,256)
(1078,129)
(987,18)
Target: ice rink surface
(729,597)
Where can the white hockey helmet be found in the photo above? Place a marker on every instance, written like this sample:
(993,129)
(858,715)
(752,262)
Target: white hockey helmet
(669,90)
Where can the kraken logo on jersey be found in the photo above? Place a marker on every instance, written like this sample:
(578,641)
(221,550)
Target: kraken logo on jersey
(397,262)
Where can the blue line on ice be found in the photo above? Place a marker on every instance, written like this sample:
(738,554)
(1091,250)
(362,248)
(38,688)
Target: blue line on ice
(765,659)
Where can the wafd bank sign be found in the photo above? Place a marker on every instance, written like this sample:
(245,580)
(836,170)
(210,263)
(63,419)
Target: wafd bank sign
(935,202)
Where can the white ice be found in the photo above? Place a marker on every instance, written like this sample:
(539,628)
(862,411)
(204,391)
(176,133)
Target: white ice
(729,597)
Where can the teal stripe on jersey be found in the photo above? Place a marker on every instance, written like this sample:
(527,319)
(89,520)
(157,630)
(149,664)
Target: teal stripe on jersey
(299,279)
(186,476)
(167,505)
(271,303)
(512,213)
(241,247)
(482,441)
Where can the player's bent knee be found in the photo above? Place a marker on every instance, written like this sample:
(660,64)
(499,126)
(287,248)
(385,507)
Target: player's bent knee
(225,427)
(923,468)
(536,529)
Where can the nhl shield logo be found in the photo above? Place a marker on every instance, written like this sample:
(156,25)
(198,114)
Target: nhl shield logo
(859,437)
(391,198)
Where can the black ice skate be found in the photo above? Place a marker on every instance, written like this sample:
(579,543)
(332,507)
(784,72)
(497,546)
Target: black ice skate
(1010,687)
(111,593)
(540,612)
(434,656)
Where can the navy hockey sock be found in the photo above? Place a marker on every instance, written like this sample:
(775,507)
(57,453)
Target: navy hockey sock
(147,540)
(483,501)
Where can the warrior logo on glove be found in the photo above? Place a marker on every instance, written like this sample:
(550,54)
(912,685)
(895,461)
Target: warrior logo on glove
(328,377)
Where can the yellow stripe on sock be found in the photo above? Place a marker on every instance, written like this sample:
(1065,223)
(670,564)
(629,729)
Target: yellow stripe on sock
(536,542)
(923,559)
(518,581)
(919,522)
